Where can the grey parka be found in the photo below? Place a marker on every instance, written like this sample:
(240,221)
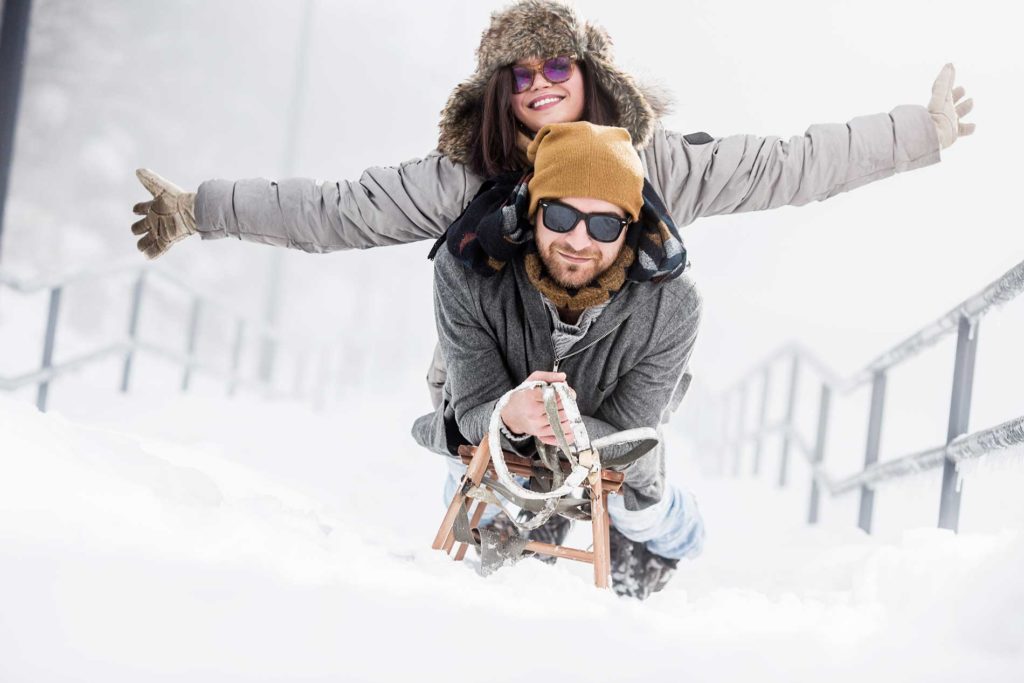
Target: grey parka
(696,175)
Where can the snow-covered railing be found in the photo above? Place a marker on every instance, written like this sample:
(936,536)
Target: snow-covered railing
(964,319)
(246,329)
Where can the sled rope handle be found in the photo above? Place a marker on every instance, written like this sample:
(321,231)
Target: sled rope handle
(583,456)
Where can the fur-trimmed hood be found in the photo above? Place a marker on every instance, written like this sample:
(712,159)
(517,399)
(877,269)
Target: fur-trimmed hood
(544,28)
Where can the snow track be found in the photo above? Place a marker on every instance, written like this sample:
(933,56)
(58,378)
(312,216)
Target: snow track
(205,541)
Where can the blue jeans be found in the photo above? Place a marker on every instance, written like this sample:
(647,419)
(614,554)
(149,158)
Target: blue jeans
(672,527)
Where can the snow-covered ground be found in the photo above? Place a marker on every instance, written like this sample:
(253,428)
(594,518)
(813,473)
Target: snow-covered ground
(204,540)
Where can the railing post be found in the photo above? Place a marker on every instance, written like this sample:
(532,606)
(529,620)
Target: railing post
(741,426)
(193,333)
(236,356)
(787,439)
(267,342)
(959,416)
(726,420)
(320,391)
(48,343)
(133,329)
(867,495)
(824,405)
(762,418)
(300,374)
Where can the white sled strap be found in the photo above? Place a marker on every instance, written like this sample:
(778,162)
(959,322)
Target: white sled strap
(583,456)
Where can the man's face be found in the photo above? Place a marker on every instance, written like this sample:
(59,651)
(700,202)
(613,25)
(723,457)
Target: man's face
(574,259)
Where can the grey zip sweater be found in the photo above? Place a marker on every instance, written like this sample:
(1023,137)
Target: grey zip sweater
(495,331)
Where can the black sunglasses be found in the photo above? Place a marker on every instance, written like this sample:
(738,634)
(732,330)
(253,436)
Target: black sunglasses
(603,227)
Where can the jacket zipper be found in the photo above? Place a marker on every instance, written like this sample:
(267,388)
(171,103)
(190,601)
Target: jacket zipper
(558,361)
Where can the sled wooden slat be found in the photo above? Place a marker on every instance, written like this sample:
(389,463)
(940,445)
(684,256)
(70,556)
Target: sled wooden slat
(478,462)
(449,542)
(474,474)
(523,467)
(560,551)
(599,521)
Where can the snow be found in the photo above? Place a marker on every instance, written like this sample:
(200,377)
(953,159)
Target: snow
(161,540)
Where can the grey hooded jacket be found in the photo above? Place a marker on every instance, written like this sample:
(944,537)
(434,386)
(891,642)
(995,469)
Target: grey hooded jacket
(626,371)
(696,175)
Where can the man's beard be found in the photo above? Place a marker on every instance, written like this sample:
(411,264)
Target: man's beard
(568,275)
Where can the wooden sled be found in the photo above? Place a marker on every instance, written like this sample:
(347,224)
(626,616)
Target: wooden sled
(478,460)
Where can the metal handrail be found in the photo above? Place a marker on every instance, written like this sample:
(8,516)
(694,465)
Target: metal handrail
(1003,290)
(39,283)
(30,285)
(188,361)
(965,318)
(13,383)
(1005,435)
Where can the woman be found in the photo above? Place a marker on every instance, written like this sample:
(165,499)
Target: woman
(521,83)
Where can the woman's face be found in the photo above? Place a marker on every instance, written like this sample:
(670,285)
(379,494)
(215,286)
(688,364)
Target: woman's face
(544,102)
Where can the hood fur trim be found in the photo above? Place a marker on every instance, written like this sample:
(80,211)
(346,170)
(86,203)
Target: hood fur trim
(544,28)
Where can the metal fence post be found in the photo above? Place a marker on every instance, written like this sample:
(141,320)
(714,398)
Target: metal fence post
(236,356)
(824,405)
(741,425)
(762,418)
(959,416)
(267,340)
(193,333)
(725,403)
(867,495)
(787,439)
(320,391)
(133,329)
(48,343)
(300,374)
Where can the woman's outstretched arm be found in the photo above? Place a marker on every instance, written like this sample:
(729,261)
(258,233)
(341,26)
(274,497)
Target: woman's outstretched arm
(705,176)
(699,175)
(413,201)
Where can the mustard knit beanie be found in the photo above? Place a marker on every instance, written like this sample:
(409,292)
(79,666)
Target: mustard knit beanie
(581,159)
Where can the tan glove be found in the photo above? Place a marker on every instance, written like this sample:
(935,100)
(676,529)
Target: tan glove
(170,216)
(946,108)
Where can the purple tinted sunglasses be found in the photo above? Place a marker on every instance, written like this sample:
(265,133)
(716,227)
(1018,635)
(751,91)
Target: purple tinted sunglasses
(555,70)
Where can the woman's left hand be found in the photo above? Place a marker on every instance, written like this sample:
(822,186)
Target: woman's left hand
(946,108)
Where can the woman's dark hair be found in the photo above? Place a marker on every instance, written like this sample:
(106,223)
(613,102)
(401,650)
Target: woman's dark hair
(493,150)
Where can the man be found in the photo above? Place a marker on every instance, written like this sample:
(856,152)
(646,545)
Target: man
(575,276)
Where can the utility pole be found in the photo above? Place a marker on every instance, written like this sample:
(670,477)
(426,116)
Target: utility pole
(275,276)
(13,39)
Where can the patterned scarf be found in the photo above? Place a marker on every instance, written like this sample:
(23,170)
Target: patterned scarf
(494,229)
(597,292)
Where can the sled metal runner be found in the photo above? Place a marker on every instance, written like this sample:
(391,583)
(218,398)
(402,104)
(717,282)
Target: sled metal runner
(491,473)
